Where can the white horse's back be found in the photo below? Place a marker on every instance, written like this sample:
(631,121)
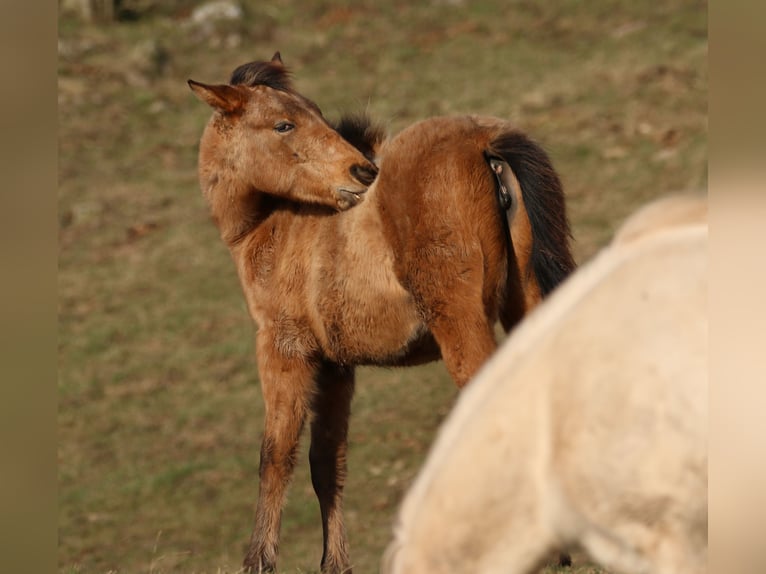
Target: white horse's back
(588,428)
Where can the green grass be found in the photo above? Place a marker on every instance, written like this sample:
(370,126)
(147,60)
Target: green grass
(160,412)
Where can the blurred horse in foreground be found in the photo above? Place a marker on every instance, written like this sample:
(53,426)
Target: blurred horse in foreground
(589,426)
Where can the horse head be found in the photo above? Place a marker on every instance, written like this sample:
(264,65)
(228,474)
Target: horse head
(266,137)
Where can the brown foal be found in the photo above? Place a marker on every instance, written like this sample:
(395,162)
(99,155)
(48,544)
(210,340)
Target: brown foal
(342,265)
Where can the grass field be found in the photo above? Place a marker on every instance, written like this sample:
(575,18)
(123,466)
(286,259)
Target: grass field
(159,406)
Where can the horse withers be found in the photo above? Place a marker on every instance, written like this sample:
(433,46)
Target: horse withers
(423,265)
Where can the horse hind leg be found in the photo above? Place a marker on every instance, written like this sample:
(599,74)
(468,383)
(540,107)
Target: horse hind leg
(287,384)
(512,302)
(456,314)
(466,342)
(327,456)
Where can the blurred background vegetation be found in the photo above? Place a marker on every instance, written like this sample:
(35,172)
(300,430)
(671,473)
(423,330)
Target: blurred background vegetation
(159,406)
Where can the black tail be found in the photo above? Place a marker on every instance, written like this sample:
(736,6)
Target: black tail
(551,259)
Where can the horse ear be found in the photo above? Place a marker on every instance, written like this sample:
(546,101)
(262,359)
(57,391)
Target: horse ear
(277,58)
(221,97)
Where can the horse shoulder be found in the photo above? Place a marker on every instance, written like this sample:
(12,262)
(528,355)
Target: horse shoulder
(273,262)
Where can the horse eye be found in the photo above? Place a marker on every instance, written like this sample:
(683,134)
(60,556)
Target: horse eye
(283,127)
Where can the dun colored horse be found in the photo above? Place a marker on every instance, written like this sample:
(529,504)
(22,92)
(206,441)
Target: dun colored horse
(342,268)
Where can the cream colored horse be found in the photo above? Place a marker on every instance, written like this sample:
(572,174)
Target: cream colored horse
(587,429)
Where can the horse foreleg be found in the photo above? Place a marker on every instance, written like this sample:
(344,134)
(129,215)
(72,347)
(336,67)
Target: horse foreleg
(287,384)
(327,455)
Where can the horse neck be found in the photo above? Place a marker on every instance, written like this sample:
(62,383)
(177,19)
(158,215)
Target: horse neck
(236,208)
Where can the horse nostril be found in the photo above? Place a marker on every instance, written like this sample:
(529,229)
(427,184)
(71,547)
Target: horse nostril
(364,174)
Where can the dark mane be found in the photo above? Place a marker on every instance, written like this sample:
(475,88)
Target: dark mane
(543,196)
(272,74)
(361,132)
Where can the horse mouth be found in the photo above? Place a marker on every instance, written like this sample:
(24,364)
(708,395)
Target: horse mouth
(348,198)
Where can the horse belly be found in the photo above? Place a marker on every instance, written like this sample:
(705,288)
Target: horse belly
(373,327)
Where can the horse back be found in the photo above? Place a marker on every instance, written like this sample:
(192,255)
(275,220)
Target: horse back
(439,209)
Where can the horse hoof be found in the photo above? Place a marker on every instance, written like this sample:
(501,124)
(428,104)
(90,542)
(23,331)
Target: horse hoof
(564,559)
(258,565)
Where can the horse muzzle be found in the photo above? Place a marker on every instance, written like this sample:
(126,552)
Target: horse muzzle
(347,198)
